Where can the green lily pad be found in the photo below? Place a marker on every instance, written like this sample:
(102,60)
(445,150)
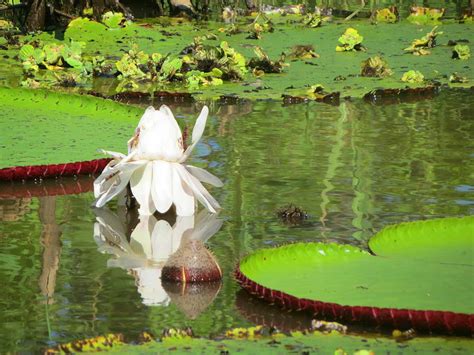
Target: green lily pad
(50,128)
(445,240)
(418,281)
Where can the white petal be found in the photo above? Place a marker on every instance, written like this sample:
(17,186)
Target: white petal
(141,188)
(199,191)
(116,182)
(169,115)
(204,176)
(198,130)
(115,155)
(183,197)
(101,184)
(161,189)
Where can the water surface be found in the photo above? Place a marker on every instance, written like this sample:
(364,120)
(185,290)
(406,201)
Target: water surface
(353,173)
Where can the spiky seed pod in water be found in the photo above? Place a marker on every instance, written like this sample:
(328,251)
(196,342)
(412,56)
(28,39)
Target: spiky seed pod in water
(192,262)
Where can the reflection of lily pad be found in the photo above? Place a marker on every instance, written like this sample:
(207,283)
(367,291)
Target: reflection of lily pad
(345,283)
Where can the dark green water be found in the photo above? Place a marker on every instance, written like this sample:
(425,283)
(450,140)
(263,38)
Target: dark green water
(353,174)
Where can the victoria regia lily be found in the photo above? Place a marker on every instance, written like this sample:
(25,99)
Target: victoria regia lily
(155,167)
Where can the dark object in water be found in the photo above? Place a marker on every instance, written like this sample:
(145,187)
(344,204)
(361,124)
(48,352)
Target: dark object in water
(192,262)
(292,214)
(391,96)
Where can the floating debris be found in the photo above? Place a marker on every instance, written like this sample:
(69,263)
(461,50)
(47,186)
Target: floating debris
(375,67)
(327,327)
(420,46)
(292,214)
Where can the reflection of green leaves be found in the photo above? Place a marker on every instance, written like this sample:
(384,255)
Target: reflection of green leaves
(419,46)
(424,15)
(413,76)
(351,40)
(461,51)
(375,67)
(113,19)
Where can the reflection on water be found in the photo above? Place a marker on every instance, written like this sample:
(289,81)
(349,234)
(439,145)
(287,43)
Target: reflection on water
(354,169)
(144,248)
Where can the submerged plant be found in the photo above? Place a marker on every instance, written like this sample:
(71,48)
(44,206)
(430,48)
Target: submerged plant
(263,64)
(424,15)
(351,40)
(413,76)
(420,46)
(375,67)
(461,51)
(155,167)
(387,15)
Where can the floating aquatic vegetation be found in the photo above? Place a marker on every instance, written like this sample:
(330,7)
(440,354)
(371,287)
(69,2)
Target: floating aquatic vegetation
(375,67)
(155,167)
(413,76)
(303,51)
(114,19)
(424,15)
(230,30)
(461,52)
(456,78)
(386,15)
(420,46)
(205,58)
(196,78)
(263,64)
(31,57)
(403,335)
(291,214)
(313,20)
(351,40)
(99,343)
(261,24)
(318,93)
(134,64)
(6,25)
(328,327)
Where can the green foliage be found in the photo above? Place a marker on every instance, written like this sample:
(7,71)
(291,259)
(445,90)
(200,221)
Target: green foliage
(351,40)
(31,58)
(420,46)
(424,15)
(261,24)
(412,77)
(133,64)
(386,15)
(113,19)
(263,64)
(312,20)
(303,51)
(375,67)
(196,78)
(461,51)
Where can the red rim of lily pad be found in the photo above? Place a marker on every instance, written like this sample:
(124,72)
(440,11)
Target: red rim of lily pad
(426,321)
(53,170)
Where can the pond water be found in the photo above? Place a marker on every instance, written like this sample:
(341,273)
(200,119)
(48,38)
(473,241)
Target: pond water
(69,272)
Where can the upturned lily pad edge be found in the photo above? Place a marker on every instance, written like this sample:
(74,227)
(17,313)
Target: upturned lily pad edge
(423,321)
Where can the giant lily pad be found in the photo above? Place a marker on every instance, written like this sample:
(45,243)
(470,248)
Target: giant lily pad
(346,283)
(43,127)
(445,240)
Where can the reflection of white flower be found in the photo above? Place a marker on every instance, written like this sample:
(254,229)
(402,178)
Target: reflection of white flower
(151,244)
(155,167)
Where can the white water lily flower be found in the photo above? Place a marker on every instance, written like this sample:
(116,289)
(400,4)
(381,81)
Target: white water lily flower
(155,167)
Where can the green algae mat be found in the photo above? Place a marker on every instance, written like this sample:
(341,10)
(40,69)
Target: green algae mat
(423,289)
(44,127)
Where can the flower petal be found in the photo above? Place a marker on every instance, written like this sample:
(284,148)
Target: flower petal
(199,191)
(198,130)
(204,176)
(183,196)
(141,188)
(115,182)
(161,189)
(115,155)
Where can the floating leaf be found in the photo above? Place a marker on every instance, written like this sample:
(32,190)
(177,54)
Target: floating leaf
(461,52)
(375,67)
(413,76)
(113,19)
(419,46)
(351,40)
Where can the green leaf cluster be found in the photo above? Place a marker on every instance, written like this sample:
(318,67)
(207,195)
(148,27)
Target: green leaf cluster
(461,51)
(113,19)
(425,15)
(375,67)
(386,15)
(413,77)
(420,46)
(351,40)
(261,24)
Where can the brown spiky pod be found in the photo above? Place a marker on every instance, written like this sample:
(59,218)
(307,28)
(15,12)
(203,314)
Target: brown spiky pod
(192,262)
